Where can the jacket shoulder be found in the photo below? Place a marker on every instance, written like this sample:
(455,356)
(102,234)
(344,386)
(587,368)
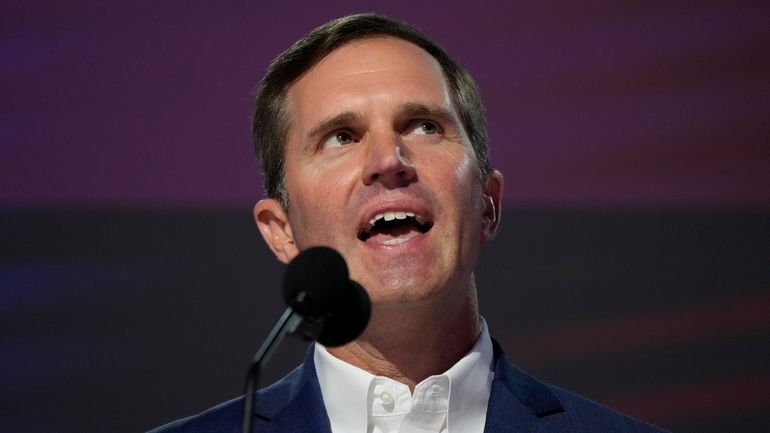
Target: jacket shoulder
(222,418)
(518,397)
(227,417)
(586,415)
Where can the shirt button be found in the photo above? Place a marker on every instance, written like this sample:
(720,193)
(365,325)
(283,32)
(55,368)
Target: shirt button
(386,398)
(435,391)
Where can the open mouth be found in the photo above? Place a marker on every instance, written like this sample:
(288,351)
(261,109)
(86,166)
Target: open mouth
(394,227)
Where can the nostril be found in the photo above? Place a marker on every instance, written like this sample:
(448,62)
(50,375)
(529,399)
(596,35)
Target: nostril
(389,165)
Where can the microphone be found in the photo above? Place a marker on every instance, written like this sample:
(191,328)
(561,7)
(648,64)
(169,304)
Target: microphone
(317,286)
(324,304)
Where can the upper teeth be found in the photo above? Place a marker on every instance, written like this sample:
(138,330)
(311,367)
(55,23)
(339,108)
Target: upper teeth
(395,215)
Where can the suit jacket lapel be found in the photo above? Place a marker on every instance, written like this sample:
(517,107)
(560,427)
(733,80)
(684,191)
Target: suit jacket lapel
(294,404)
(520,403)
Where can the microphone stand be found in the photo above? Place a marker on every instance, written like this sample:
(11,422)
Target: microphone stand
(287,324)
(315,290)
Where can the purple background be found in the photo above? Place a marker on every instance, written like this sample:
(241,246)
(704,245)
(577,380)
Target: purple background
(632,265)
(590,102)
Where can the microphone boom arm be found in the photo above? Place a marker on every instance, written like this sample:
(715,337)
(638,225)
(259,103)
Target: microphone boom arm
(287,324)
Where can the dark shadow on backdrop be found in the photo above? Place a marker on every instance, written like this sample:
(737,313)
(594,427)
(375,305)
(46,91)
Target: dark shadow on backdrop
(120,320)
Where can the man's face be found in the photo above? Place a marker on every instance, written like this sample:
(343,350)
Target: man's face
(378,166)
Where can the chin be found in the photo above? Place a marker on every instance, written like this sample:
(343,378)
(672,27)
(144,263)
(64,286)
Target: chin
(403,292)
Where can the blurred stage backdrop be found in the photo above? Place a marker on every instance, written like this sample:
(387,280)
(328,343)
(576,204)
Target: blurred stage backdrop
(633,264)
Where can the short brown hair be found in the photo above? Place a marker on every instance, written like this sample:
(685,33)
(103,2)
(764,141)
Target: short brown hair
(271,119)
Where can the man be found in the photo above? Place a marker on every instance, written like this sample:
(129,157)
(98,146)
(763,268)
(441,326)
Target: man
(373,142)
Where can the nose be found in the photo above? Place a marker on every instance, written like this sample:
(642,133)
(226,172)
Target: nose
(388,163)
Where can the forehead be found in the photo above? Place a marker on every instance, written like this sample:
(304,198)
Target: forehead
(377,67)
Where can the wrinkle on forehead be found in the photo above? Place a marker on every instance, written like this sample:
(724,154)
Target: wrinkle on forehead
(360,58)
(360,48)
(372,71)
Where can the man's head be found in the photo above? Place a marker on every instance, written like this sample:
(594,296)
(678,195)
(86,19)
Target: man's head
(271,120)
(379,164)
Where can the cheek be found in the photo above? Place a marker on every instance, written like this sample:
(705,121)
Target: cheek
(466,180)
(467,195)
(316,208)
(449,161)
(306,187)
(323,176)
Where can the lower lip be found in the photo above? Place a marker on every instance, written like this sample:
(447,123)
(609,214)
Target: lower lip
(397,243)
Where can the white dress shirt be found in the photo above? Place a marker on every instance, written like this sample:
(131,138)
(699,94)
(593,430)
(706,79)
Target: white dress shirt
(454,402)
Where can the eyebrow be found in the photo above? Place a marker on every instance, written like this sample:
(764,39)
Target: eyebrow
(410,109)
(418,109)
(331,123)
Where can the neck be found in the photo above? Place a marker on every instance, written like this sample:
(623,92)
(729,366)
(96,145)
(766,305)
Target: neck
(410,342)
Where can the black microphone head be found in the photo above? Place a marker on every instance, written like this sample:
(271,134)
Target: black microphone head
(348,319)
(317,286)
(314,280)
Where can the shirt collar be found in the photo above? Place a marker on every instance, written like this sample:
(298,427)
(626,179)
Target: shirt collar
(470,383)
(345,388)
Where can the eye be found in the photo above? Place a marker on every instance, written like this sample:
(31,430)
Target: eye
(426,127)
(339,138)
(424,131)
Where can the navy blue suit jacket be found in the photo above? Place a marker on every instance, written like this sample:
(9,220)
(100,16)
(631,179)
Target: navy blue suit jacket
(518,403)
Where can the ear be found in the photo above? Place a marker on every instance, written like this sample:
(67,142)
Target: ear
(273,223)
(493,192)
